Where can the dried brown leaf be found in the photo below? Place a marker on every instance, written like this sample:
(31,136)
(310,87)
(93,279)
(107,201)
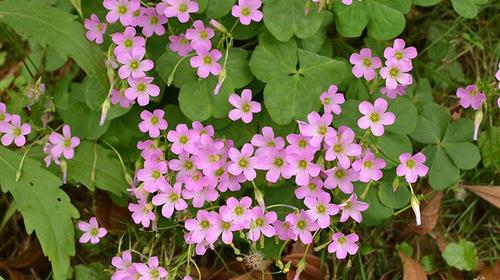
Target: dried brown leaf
(488,193)
(108,214)
(430,215)
(412,270)
(313,269)
(490,272)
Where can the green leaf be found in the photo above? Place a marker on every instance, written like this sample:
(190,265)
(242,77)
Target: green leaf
(94,271)
(429,263)
(84,122)
(464,155)
(467,8)
(174,116)
(423,92)
(350,119)
(405,248)
(406,116)
(395,200)
(166,63)
(489,143)
(393,145)
(218,8)
(384,19)
(95,166)
(461,254)
(426,3)
(287,18)
(431,125)
(45,208)
(459,131)
(58,29)
(377,213)
(442,172)
(237,67)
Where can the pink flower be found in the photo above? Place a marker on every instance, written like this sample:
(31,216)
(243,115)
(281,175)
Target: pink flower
(14,131)
(242,162)
(342,245)
(300,144)
(317,127)
(313,189)
(347,2)
(247,10)
(121,9)
(206,62)
(184,165)
(245,107)
(375,116)
(320,209)
(152,123)
(237,211)
(123,265)
(284,230)
(207,193)
(399,53)
(95,29)
(267,142)
(470,96)
(91,231)
(393,93)
(342,178)
(412,167)
(275,162)
(395,74)
(63,144)
(127,41)
(200,36)
(133,64)
(153,175)
(261,223)
(183,139)
(141,89)
(225,228)
(301,166)
(302,225)
(341,146)
(142,212)
(352,207)
(203,227)
(497,75)
(152,22)
(331,100)
(151,271)
(180,9)
(180,44)
(171,200)
(118,97)
(369,167)
(365,64)
(4,116)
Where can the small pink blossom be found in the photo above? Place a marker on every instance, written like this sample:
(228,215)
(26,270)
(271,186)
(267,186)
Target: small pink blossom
(237,210)
(180,44)
(242,162)
(331,100)
(395,73)
(267,142)
(341,146)
(352,207)
(317,127)
(171,199)
(313,189)
(15,131)
(300,144)
(124,266)
(342,178)
(141,89)
(65,144)
(302,226)
(284,230)
(152,22)
(320,209)
(95,29)
(199,196)
(470,96)
(275,162)
(91,231)
(127,41)
(302,167)
(133,64)
(203,227)
(200,36)
(393,93)
(342,245)
(152,123)
(412,167)
(179,8)
(244,106)
(261,223)
(153,175)
(497,75)
(4,116)
(183,139)
(399,53)
(206,62)
(365,64)
(247,11)
(369,167)
(118,97)
(121,9)
(375,116)
(151,271)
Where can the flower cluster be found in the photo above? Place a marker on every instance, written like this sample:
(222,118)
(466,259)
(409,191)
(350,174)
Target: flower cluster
(59,148)
(12,130)
(396,74)
(126,268)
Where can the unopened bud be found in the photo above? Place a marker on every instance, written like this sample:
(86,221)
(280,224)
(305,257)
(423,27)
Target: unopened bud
(217,25)
(222,78)
(64,170)
(106,105)
(477,122)
(415,205)
(395,184)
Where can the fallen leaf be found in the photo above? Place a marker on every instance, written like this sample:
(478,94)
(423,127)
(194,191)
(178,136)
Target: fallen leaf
(108,214)
(314,270)
(429,214)
(488,193)
(490,272)
(412,270)
(238,271)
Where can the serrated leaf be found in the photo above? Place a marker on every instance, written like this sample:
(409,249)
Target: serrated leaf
(287,18)
(45,208)
(95,166)
(58,29)
(461,254)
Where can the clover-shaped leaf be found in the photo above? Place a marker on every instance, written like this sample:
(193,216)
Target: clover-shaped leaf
(287,18)
(377,213)
(426,3)
(384,19)
(295,78)
(449,148)
(467,8)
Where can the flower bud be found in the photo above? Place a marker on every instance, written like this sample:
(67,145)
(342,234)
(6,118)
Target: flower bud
(217,25)
(477,122)
(106,105)
(415,205)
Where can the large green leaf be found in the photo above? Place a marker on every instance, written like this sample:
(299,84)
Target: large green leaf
(58,29)
(218,8)
(393,145)
(293,91)
(287,18)
(432,124)
(442,171)
(426,3)
(461,254)
(489,142)
(95,166)
(406,116)
(377,213)
(467,8)
(384,19)
(45,208)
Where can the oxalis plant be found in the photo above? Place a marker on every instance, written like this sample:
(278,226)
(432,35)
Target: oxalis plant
(230,129)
